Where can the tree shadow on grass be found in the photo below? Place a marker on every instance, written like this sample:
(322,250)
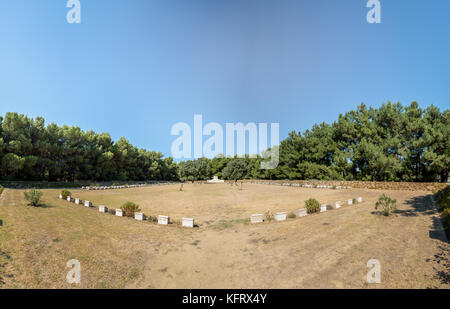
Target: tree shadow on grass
(423,205)
(41,206)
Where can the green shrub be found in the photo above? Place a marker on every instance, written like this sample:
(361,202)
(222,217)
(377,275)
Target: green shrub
(387,204)
(33,197)
(65,194)
(292,215)
(129,208)
(1,190)
(312,206)
(152,218)
(443,199)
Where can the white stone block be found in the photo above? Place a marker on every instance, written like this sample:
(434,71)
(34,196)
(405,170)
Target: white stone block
(102,208)
(60,196)
(139,216)
(70,199)
(280,216)
(337,205)
(119,213)
(163,220)
(77,201)
(359,199)
(323,208)
(350,202)
(87,204)
(188,222)
(302,212)
(258,218)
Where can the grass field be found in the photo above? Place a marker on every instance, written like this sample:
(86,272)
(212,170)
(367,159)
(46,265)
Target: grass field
(327,250)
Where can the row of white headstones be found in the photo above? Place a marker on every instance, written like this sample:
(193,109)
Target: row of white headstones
(124,186)
(281,216)
(287,184)
(164,220)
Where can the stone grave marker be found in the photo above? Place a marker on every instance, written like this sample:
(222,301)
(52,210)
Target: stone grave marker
(188,222)
(163,220)
(258,218)
(301,212)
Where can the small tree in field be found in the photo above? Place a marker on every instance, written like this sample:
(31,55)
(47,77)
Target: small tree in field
(312,206)
(129,208)
(65,194)
(33,197)
(387,204)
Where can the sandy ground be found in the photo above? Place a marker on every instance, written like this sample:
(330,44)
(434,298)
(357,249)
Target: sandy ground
(327,250)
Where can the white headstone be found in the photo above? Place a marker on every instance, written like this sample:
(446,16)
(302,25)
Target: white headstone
(119,213)
(258,218)
(337,205)
(60,196)
(69,199)
(301,212)
(359,199)
(102,208)
(87,204)
(77,201)
(163,220)
(350,202)
(188,222)
(280,216)
(139,216)
(323,208)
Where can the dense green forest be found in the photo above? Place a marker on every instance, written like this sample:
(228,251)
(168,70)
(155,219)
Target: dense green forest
(389,143)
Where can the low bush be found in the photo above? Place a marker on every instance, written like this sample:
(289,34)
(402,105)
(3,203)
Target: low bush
(152,218)
(312,206)
(269,216)
(1,190)
(387,204)
(292,215)
(129,208)
(65,194)
(33,197)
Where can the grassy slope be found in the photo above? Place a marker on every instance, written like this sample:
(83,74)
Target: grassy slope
(41,240)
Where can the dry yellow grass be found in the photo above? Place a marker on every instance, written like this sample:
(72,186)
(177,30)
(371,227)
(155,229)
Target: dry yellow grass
(328,250)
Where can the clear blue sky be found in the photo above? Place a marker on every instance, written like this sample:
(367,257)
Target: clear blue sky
(134,68)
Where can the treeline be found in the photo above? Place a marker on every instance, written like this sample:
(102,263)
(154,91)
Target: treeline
(389,143)
(29,150)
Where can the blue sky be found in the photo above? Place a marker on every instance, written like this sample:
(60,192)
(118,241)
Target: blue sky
(134,68)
